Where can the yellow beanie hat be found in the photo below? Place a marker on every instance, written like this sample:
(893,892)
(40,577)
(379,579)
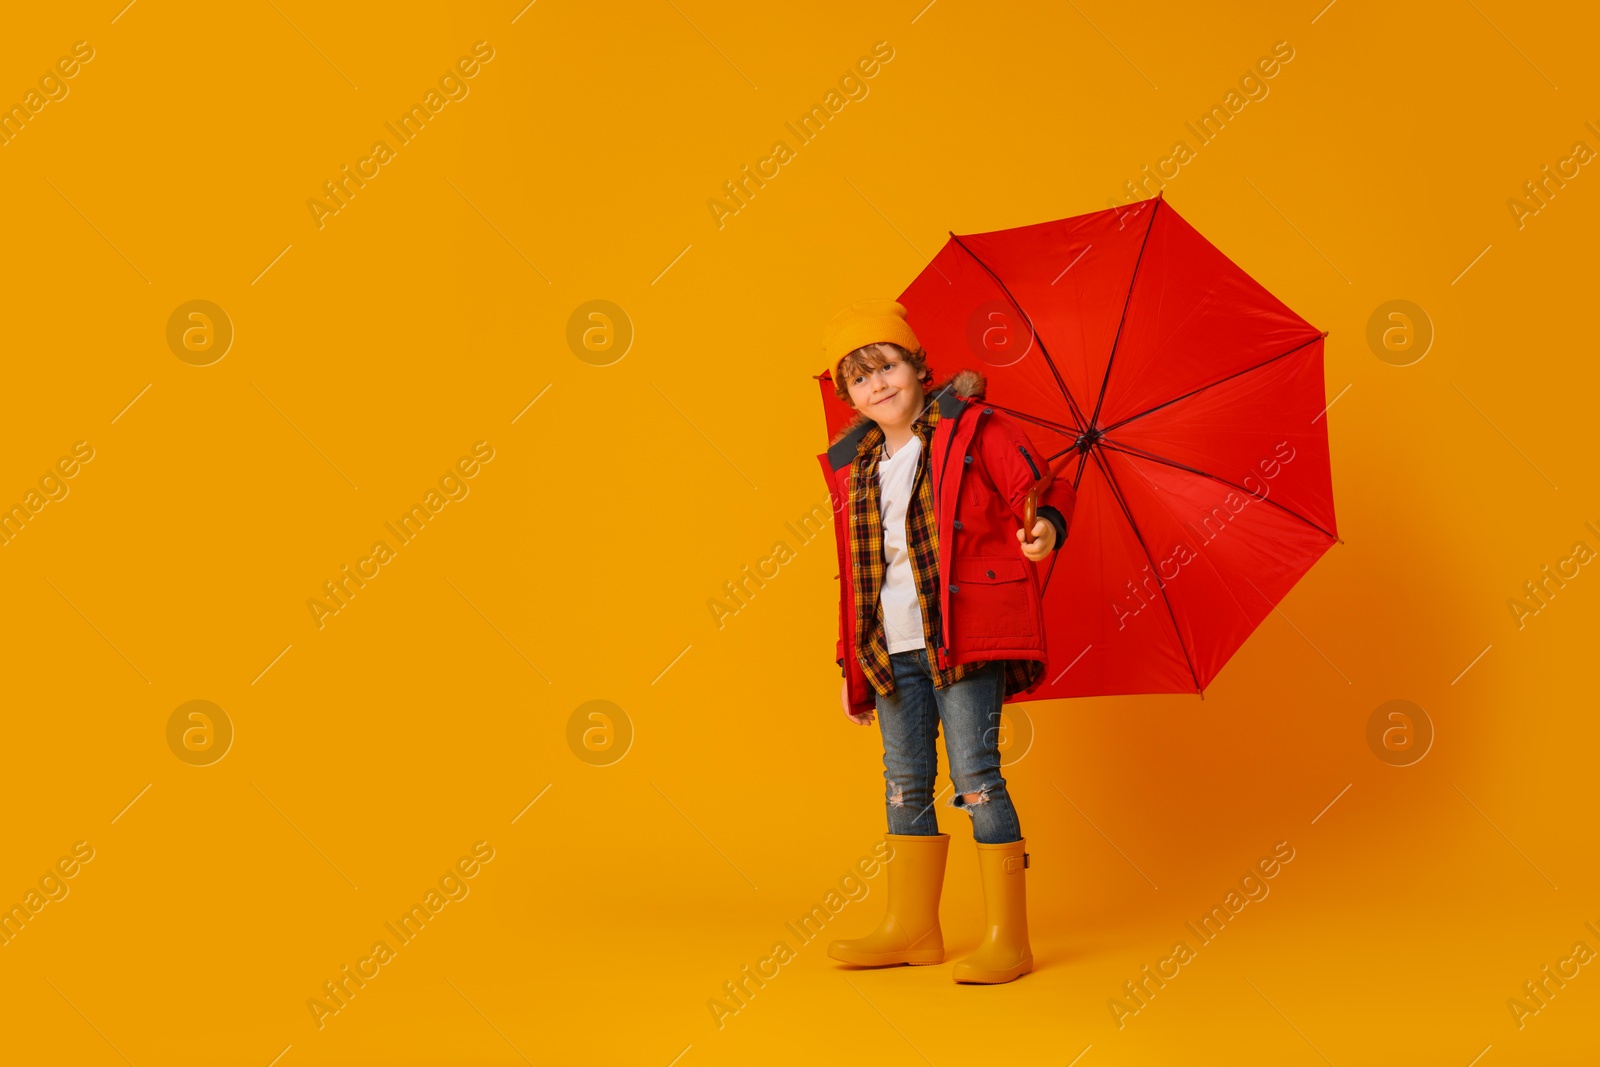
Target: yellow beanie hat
(866,322)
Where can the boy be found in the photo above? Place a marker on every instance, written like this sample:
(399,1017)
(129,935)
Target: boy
(939,619)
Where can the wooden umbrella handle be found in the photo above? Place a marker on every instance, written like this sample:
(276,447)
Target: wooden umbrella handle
(1030,503)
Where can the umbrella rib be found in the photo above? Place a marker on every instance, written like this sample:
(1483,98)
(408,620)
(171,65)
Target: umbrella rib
(1203,554)
(1083,460)
(1061,384)
(1083,463)
(1133,450)
(1066,431)
(1124,320)
(1116,491)
(1219,381)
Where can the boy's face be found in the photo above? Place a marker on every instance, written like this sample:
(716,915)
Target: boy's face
(889,395)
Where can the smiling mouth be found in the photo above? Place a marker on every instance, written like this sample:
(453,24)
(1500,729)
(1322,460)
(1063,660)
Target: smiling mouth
(891,396)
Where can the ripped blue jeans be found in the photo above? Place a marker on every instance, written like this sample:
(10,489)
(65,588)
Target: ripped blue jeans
(970,712)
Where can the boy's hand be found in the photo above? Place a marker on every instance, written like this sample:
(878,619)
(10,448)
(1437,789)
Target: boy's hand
(863,719)
(1044,539)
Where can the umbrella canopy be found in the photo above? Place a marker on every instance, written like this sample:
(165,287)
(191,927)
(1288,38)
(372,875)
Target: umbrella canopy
(1186,405)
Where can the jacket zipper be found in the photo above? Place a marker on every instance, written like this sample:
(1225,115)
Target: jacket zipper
(1035,470)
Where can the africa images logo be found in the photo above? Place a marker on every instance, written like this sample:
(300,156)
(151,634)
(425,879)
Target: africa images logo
(452,86)
(338,991)
(853,86)
(452,486)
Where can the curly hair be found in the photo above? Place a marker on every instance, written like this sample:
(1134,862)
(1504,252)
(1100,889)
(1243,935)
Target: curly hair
(871,357)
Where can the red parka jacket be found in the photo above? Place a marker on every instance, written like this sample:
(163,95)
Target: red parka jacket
(983,466)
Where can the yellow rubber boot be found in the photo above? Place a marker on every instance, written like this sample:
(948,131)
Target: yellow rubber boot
(1004,953)
(909,931)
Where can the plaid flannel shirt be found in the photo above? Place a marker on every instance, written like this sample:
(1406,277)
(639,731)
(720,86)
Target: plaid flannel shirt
(867,566)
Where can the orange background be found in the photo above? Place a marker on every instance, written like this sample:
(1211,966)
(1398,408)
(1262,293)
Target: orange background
(432,712)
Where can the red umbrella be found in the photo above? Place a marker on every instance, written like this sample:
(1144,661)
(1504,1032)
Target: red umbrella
(1183,401)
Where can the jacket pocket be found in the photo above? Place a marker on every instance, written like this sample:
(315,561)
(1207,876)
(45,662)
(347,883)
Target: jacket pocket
(994,597)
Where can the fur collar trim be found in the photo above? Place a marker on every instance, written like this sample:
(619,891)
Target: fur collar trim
(965,384)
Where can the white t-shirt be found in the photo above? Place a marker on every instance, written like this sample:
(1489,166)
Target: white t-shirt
(902,611)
